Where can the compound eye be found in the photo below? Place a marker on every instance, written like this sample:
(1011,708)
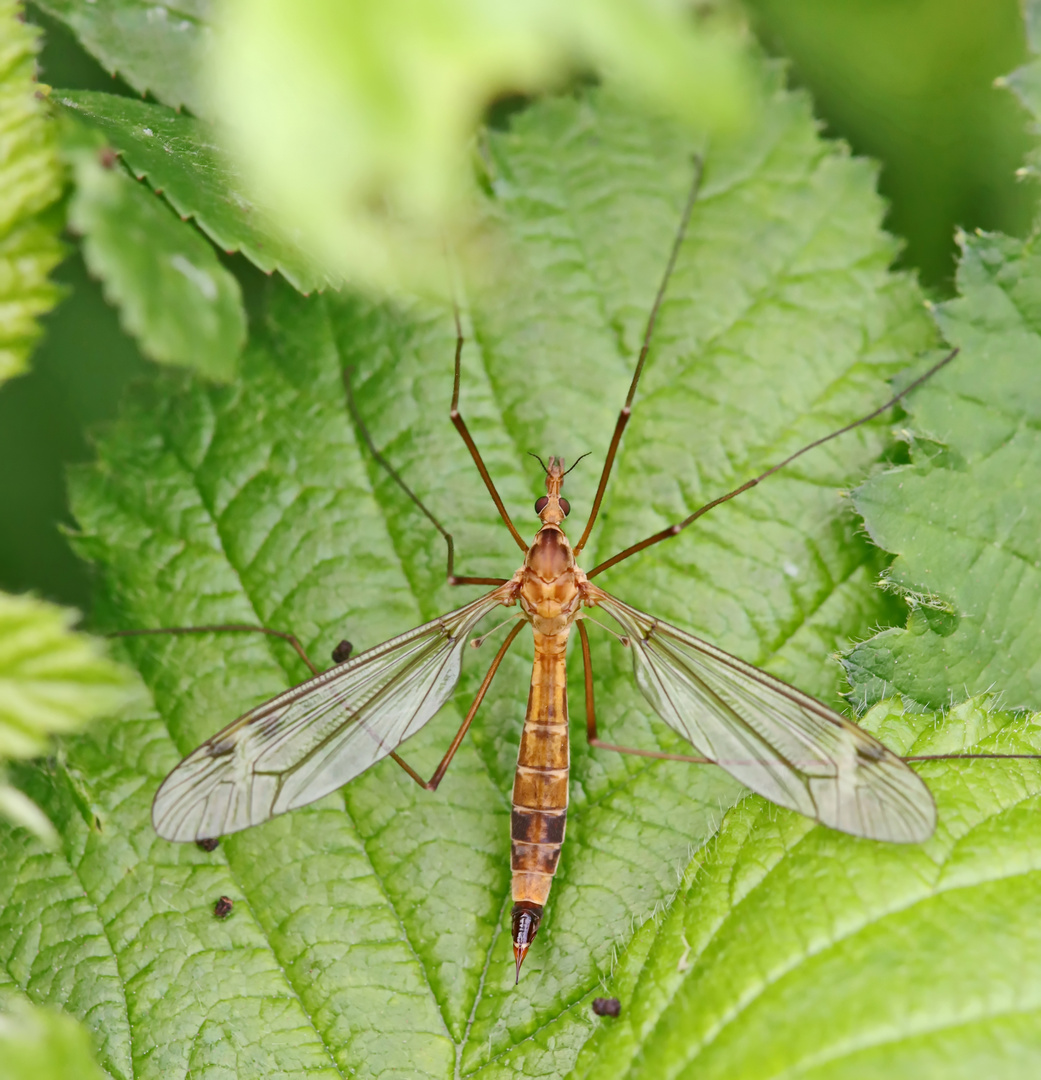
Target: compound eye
(565,506)
(541,504)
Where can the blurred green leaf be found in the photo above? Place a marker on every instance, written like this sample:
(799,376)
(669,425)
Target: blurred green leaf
(792,951)
(42,1044)
(912,85)
(963,518)
(158,48)
(1025,83)
(52,681)
(30,182)
(354,122)
(368,935)
(172,293)
(179,156)
(17,808)
(1031,10)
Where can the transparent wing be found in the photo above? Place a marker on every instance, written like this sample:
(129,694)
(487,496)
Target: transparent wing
(314,738)
(780,742)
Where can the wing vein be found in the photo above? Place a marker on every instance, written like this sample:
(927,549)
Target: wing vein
(780,742)
(315,737)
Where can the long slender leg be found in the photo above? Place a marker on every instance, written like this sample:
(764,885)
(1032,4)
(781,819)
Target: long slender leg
(591,735)
(971,757)
(439,772)
(460,426)
(397,478)
(673,530)
(627,408)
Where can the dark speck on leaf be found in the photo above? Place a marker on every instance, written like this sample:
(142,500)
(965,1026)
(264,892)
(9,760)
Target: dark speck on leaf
(607,1006)
(209,844)
(222,909)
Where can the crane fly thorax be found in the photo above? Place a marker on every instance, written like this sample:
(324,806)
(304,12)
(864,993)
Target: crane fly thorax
(550,582)
(550,556)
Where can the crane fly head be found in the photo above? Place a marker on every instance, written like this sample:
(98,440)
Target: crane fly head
(552,508)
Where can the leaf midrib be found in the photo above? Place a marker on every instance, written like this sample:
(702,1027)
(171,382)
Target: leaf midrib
(191,472)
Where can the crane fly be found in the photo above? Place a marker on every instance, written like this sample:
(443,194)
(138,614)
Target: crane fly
(777,740)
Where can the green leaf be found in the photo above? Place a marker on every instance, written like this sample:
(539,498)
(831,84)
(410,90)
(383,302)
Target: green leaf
(963,517)
(43,1044)
(368,931)
(180,158)
(30,182)
(1032,23)
(52,681)
(1025,83)
(355,122)
(792,951)
(172,293)
(21,811)
(158,48)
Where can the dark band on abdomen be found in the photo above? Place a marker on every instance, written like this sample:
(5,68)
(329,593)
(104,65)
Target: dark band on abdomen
(540,790)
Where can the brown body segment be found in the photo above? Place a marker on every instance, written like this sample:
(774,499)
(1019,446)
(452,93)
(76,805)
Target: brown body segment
(540,787)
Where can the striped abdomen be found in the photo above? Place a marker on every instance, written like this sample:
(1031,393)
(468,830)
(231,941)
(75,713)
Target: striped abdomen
(540,790)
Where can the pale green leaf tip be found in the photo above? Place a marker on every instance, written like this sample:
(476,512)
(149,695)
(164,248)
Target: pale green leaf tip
(22,812)
(31,181)
(1032,19)
(38,1043)
(55,680)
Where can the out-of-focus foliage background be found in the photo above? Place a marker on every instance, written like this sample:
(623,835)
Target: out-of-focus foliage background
(908,82)
(254,499)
